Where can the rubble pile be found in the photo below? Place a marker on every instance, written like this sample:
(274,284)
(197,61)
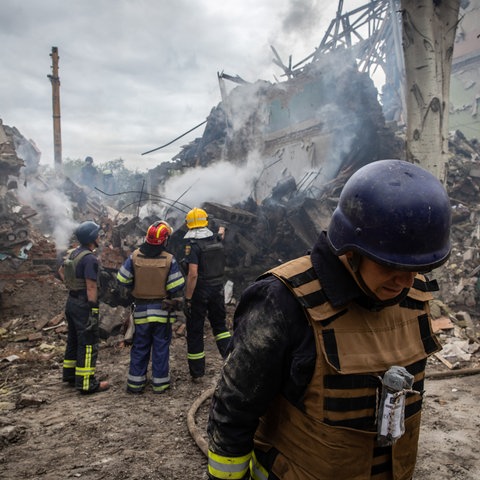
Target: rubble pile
(13,230)
(281,219)
(259,236)
(459,278)
(304,130)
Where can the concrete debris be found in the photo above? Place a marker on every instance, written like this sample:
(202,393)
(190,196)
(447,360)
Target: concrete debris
(459,350)
(10,358)
(29,401)
(10,433)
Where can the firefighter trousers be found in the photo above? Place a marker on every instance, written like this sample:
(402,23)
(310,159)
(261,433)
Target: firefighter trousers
(151,339)
(82,346)
(208,301)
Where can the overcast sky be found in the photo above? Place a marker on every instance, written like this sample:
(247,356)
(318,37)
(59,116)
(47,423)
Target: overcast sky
(135,74)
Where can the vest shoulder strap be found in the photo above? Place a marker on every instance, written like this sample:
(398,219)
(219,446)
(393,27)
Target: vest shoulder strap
(79,255)
(164,254)
(300,277)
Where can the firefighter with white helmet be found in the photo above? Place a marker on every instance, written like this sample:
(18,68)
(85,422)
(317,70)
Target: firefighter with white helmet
(79,271)
(325,376)
(204,294)
(153,276)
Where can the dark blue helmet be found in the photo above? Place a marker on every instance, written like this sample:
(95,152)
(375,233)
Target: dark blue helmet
(395,213)
(87,232)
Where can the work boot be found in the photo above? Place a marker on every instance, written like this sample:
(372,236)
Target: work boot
(135,392)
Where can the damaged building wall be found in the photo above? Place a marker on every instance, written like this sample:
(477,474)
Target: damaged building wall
(464,112)
(320,121)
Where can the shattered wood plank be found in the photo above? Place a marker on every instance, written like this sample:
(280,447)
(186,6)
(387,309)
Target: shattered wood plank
(474,271)
(41,323)
(444,361)
(57,319)
(53,327)
(441,323)
(35,336)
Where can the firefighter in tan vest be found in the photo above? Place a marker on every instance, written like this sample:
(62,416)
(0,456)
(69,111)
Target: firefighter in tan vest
(325,376)
(154,278)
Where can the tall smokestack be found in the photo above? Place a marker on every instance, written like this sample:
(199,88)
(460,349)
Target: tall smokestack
(57,132)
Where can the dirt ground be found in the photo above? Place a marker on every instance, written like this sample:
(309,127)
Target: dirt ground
(50,432)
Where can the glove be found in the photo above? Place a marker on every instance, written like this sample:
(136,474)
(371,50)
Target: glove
(93,317)
(172,304)
(187,307)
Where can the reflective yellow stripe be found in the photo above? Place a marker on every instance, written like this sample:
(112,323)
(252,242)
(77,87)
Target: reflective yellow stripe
(121,279)
(161,388)
(196,356)
(152,319)
(69,363)
(227,467)
(257,471)
(176,283)
(222,335)
(83,371)
(88,370)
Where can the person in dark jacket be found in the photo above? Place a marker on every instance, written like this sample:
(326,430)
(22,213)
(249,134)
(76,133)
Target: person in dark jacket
(89,173)
(79,272)
(154,278)
(325,376)
(204,293)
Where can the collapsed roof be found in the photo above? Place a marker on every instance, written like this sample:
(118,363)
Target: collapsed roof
(304,130)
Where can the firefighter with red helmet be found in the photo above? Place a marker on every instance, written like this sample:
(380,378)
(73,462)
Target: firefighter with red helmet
(79,271)
(326,371)
(154,278)
(204,294)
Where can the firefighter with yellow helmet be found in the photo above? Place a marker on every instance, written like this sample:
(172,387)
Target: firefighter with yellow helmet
(204,294)
(325,376)
(154,277)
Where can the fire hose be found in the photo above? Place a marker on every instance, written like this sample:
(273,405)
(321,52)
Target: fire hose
(196,432)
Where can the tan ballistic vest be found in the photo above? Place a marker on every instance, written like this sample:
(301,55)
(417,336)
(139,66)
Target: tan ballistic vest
(150,275)
(354,347)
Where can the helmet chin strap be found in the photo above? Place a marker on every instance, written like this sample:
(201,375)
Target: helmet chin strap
(354,262)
